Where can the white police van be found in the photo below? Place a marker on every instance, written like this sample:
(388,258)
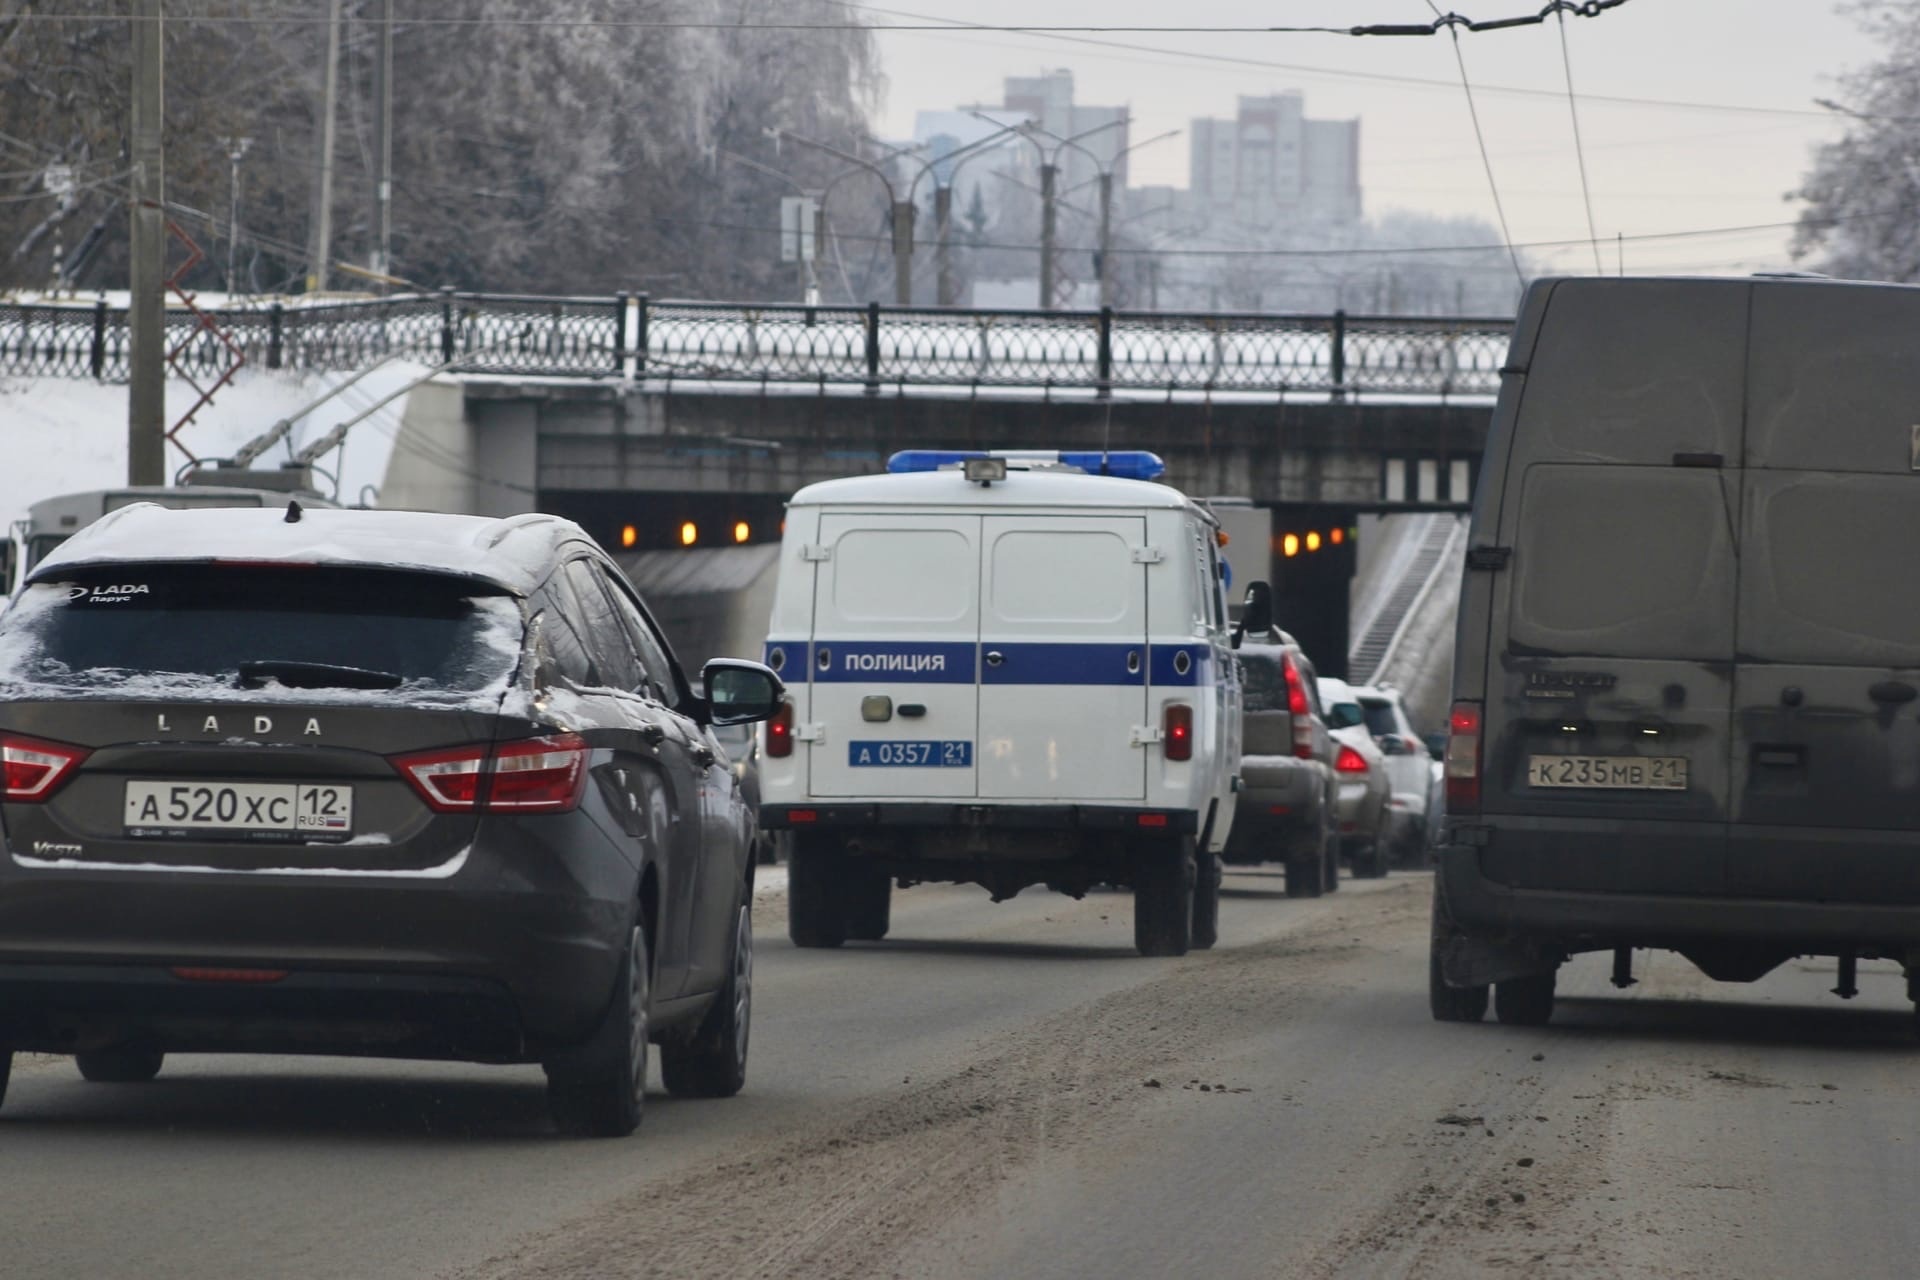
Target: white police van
(1006,669)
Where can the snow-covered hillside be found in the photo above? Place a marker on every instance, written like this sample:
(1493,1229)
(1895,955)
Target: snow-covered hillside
(58,435)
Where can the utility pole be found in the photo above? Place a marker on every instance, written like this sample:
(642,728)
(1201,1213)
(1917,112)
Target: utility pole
(146,311)
(903,211)
(1106,237)
(320,218)
(1049,173)
(236,150)
(943,244)
(382,258)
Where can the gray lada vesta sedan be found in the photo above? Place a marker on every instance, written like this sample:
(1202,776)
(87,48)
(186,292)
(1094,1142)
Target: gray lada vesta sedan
(376,783)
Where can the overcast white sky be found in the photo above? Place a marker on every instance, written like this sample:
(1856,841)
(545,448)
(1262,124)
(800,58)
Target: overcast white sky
(1653,169)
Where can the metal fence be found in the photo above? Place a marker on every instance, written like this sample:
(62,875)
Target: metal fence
(874,347)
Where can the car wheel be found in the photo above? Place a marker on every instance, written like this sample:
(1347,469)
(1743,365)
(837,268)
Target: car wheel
(1524,1002)
(6,1072)
(120,1064)
(711,1062)
(1448,1003)
(816,907)
(1163,876)
(1206,901)
(599,1089)
(1307,871)
(1370,860)
(1336,849)
(869,902)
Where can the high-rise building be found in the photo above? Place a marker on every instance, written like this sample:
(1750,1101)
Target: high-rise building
(1270,166)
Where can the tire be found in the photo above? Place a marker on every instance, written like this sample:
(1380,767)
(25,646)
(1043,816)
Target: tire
(120,1064)
(711,1061)
(868,902)
(6,1072)
(816,909)
(1449,1004)
(1524,1002)
(1163,877)
(1371,860)
(599,1089)
(1336,848)
(1206,901)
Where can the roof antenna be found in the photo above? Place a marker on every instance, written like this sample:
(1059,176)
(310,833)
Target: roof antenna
(293,511)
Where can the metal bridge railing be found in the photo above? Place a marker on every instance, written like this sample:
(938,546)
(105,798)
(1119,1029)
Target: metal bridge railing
(872,346)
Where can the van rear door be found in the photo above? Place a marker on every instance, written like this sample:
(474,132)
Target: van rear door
(896,628)
(1608,682)
(1826,750)
(1063,677)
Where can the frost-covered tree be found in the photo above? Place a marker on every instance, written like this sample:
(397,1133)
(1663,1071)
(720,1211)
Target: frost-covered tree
(1863,190)
(560,145)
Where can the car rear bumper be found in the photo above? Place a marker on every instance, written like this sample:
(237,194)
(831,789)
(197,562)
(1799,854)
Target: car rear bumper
(515,950)
(1652,914)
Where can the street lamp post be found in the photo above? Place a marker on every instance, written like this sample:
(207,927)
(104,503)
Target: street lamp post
(1049,180)
(900,216)
(236,150)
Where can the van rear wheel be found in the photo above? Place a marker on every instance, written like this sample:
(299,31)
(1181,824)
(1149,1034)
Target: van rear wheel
(868,902)
(1524,1002)
(120,1064)
(1206,901)
(816,905)
(1163,883)
(1449,1003)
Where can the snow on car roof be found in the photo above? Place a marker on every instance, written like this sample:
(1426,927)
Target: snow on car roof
(514,553)
(1020,489)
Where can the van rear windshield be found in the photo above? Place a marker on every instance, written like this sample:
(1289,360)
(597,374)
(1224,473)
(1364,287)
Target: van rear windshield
(300,633)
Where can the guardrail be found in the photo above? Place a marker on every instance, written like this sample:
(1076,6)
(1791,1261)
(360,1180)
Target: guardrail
(875,347)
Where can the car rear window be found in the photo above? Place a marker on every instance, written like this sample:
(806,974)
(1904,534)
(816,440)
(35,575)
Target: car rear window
(1263,687)
(305,633)
(1380,717)
(1344,715)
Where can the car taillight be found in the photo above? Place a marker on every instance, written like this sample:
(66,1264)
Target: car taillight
(1299,708)
(1349,761)
(539,775)
(535,775)
(1463,758)
(1176,731)
(780,732)
(36,769)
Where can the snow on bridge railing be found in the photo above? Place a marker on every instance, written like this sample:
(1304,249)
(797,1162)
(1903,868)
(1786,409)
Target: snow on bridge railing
(626,336)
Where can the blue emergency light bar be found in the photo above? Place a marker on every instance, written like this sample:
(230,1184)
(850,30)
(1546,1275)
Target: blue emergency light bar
(1127,464)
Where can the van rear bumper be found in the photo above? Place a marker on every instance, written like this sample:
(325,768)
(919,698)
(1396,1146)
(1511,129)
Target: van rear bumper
(1477,904)
(1006,817)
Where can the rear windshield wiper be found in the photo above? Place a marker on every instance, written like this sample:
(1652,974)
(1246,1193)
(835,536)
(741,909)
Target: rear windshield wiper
(315,675)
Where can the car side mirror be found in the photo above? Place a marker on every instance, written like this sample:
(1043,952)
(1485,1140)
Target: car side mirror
(1256,616)
(1391,745)
(739,692)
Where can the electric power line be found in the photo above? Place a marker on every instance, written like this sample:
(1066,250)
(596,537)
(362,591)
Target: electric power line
(1579,150)
(1480,137)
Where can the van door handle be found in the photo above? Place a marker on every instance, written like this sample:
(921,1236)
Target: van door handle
(1895,691)
(995,657)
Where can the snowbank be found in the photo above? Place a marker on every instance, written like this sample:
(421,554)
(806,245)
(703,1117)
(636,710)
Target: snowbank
(59,435)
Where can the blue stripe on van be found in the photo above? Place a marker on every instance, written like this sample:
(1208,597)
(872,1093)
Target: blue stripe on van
(899,661)
(892,660)
(1123,664)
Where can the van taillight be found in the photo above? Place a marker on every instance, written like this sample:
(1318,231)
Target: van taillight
(1176,731)
(36,769)
(1299,708)
(780,732)
(1463,758)
(535,775)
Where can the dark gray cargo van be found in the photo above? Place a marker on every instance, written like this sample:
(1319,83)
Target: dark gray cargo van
(1689,643)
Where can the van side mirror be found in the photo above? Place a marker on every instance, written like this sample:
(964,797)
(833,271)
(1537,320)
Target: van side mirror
(739,692)
(1256,616)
